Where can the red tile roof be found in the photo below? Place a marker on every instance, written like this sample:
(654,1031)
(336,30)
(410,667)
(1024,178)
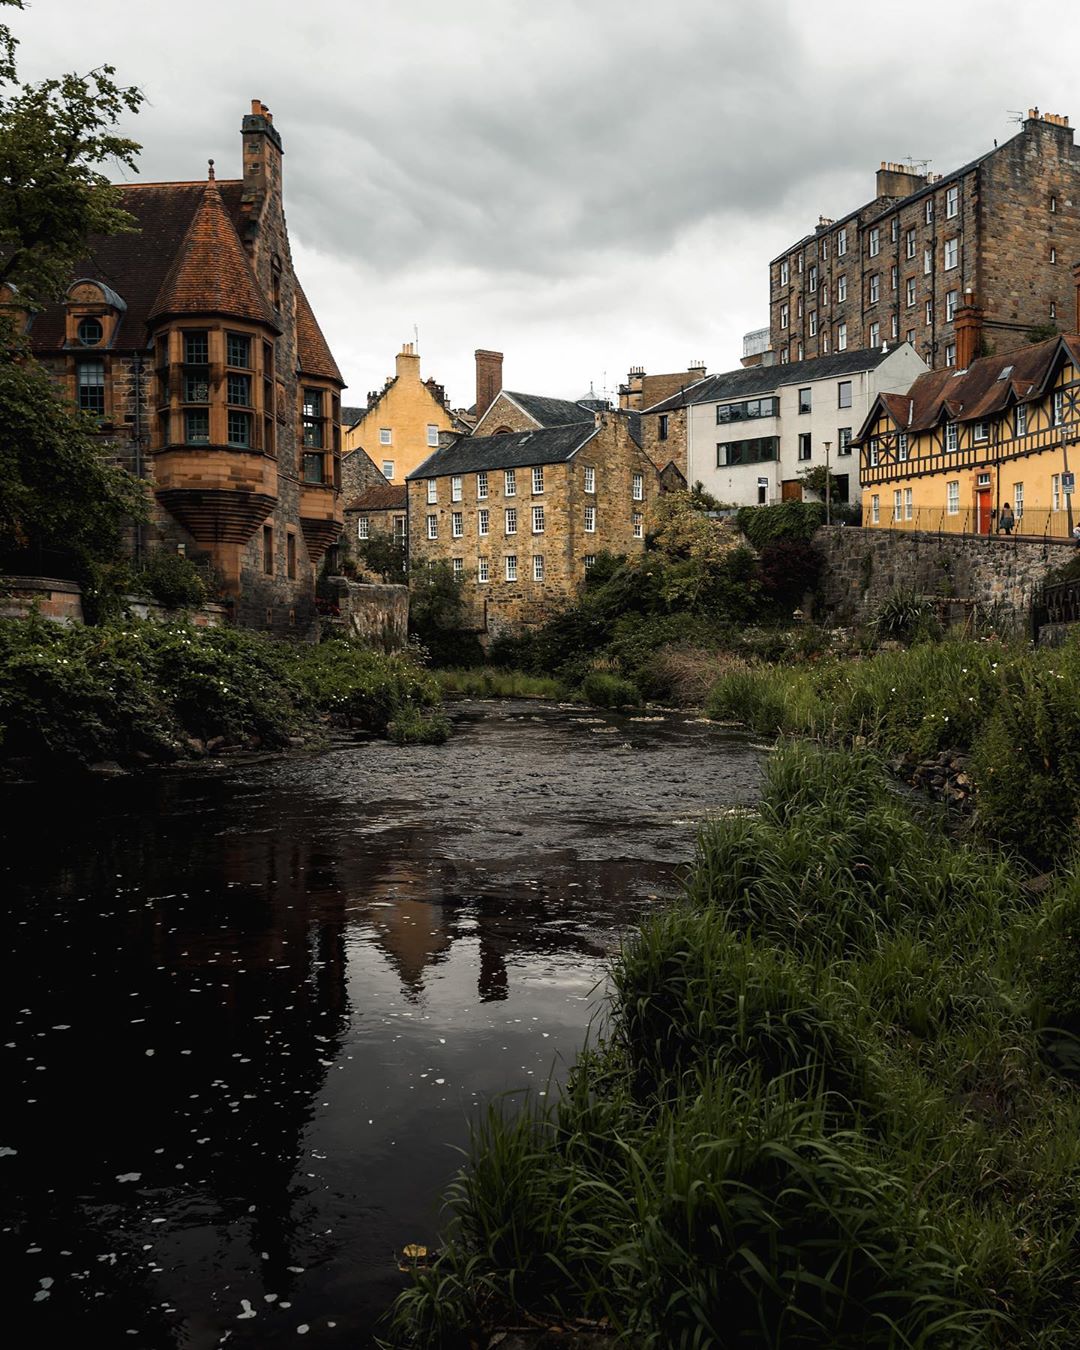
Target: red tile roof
(388,498)
(135,265)
(211,273)
(313,355)
(988,386)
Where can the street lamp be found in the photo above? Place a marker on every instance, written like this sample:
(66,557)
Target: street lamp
(828,485)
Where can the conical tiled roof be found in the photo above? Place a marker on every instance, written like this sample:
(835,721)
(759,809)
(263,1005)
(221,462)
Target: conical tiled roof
(313,355)
(211,273)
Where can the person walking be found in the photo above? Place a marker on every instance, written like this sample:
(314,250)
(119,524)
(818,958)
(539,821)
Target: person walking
(1006,520)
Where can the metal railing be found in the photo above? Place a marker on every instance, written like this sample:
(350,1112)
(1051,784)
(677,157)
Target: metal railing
(1039,524)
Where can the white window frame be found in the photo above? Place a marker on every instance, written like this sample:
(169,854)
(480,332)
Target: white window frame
(844,393)
(872,450)
(980,431)
(433,435)
(785,314)
(785,272)
(509,483)
(813,323)
(457,525)
(875,287)
(510,566)
(927,260)
(510,520)
(590,478)
(875,508)
(482,486)
(952,437)
(483,522)
(537,481)
(902,448)
(590,561)
(841,289)
(363,527)
(897,505)
(952,497)
(388,468)
(952,254)
(637,523)
(952,202)
(841,337)
(928,214)
(874,241)
(874,339)
(909,292)
(929,313)
(538,567)
(841,242)
(637,487)
(483,571)
(456,491)
(951,300)
(910,244)
(386,436)
(1059,407)
(458,567)
(908,505)
(950,353)
(538,520)
(590,520)
(432,491)
(1018,500)
(1020,420)
(433,527)
(1055,492)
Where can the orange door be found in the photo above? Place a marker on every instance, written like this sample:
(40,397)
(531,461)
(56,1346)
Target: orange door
(984,511)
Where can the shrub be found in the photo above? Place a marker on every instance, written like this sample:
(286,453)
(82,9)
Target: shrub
(410,726)
(905,615)
(789,568)
(604,690)
(172,580)
(785,520)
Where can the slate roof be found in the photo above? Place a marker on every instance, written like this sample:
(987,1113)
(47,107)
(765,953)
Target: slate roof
(513,450)
(211,273)
(388,498)
(749,381)
(135,265)
(550,412)
(313,355)
(350,416)
(987,386)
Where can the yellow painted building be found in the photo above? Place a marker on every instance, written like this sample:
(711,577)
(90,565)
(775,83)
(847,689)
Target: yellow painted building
(400,426)
(961,445)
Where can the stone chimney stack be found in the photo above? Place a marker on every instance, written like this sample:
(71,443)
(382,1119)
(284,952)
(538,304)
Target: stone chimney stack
(262,192)
(408,363)
(488,380)
(967,324)
(898,180)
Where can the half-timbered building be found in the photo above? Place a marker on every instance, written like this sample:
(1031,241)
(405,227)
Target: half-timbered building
(961,445)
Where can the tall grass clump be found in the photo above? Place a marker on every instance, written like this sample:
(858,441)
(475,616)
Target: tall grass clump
(828,1109)
(492,682)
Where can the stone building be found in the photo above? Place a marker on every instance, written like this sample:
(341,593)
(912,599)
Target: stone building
(521,516)
(746,435)
(643,391)
(948,453)
(378,511)
(403,421)
(498,410)
(1004,228)
(196,349)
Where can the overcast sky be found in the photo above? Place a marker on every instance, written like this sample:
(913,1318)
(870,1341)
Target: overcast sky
(585,185)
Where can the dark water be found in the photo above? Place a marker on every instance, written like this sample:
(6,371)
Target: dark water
(248,1013)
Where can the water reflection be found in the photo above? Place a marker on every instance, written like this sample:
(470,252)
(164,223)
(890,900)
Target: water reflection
(246,1014)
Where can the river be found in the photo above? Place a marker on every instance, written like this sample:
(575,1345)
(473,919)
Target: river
(249,1009)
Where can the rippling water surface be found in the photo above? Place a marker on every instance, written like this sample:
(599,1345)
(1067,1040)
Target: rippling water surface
(249,1011)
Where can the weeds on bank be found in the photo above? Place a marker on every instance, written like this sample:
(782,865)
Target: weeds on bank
(139,692)
(835,1105)
(490,682)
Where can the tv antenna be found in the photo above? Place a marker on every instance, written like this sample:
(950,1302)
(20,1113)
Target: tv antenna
(1017,115)
(919,165)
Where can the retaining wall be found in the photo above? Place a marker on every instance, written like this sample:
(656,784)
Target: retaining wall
(992,575)
(375,614)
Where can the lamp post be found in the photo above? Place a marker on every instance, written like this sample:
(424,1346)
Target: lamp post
(828,485)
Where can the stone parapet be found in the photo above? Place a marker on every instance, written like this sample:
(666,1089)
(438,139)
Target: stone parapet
(53,599)
(376,615)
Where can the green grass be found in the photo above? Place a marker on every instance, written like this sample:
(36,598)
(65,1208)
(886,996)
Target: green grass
(490,682)
(835,1105)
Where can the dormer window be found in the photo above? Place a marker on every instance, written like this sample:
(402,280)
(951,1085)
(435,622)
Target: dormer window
(90,332)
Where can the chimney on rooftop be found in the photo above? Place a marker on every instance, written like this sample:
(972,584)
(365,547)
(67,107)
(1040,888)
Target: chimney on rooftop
(488,380)
(898,180)
(262,175)
(696,369)
(967,325)
(408,362)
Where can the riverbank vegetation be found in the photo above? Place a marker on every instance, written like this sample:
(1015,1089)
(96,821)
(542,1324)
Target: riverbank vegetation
(140,693)
(1015,712)
(835,1104)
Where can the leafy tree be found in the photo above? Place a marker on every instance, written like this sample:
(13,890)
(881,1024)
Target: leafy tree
(815,480)
(60,492)
(54,136)
(61,496)
(385,557)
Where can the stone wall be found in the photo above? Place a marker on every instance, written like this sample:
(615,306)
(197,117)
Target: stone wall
(60,601)
(373,614)
(983,573)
